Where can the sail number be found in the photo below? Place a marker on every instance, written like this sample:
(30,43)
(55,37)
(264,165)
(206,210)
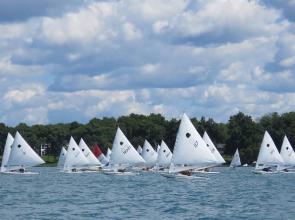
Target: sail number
(126,150)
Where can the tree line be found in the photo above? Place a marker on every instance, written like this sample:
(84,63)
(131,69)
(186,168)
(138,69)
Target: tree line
(240,131)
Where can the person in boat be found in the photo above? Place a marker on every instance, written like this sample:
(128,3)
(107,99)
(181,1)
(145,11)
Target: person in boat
(146,169)
(207,170)
(74,170)
(267,169)
(186,172)
(121,170)
(285,170)
(21,170)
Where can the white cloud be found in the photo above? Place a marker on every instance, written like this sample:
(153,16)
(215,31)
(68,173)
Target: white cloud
(210,58)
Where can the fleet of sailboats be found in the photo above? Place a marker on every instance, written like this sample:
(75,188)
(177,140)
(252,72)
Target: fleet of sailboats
(192,153)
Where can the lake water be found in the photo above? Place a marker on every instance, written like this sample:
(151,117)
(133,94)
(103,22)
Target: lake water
(231,194)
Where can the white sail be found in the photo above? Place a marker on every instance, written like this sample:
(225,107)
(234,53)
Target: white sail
(164,155)
(236,161)
(93,161)
(6,153)
(212,148)
(75,157)
(139,149)
(149,154)
(123,153)
(62,157)
(103,159)
(108,156)
(190,150)
(268,154)
(22,155)
(287,153)
(158,147)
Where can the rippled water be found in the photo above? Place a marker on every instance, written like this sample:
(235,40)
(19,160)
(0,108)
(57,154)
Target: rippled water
(231,194)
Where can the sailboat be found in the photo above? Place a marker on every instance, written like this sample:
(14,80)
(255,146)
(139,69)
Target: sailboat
(99,155)
(149,155)
(139,149)
(164,156)
(236,161)
(75,160)
(6,153)
(123,155)
(22,156)
(269,159)
(288,155)
(93,162)
(190,151)
(62,157)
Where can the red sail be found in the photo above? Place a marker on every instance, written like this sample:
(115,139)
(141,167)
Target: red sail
(96,151)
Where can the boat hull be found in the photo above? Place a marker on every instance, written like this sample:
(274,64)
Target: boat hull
(181,176)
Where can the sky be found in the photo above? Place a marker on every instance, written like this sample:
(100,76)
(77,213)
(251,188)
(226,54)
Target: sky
(64,61)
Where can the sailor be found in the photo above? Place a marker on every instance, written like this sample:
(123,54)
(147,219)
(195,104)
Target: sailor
(186,172)
(267,169)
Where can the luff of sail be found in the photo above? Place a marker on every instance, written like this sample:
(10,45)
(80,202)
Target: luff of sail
(287,153)
(269,155)
(75,158)
(190,150)
(212,148)
(236,161)
(22,155)
(6,153)
(123,153)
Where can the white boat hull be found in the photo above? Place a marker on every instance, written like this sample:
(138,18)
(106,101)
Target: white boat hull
(181,176)
(264,172)
(19,173)
(116,173)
